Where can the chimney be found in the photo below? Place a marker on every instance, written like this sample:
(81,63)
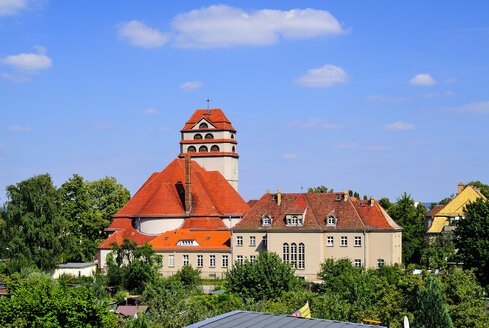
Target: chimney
(279,197)
(345,194)
(372,200)
(460,188)
(268,192)
(188,185)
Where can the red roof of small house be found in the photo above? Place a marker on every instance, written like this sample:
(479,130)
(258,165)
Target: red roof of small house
(205,240)
(350,214)
(434,211)
(160,195)
(215,116)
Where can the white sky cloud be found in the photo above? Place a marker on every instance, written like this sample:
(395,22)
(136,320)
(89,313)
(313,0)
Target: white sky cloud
(224,26)
(140,35)
(149,111)
(422,79)
(323,77)
(103,125)
(29,62)
(399,126)
(481,107)
(379,98)
(19,128)
(12,7)
(191,85)
(15,78)
(315,123)
(289,156)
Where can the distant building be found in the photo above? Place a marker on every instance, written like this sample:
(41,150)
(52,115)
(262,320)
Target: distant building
(192,214)
(443,218)
(75,269)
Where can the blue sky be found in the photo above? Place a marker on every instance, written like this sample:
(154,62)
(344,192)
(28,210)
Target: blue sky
(380,97)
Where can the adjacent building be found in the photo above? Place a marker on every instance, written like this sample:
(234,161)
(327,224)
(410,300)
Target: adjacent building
(444,218)
(191,213)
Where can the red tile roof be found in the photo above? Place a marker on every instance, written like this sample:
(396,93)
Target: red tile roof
(349,213)
(124,230)
(216,117)
(207,240)
(212,195)
(434,211)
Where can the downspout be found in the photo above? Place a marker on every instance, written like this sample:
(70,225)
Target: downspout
(365,247)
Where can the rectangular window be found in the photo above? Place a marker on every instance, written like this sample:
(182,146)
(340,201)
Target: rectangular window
(301,262)
(240,259)
(330,241)
(380,263)
(212,261)
(344,241)
(265,241)
(239,240)
(171,260)
(358,263)
(224,261)
(252,241)
(200,261)
(185,260)
(358,241)
(252,258)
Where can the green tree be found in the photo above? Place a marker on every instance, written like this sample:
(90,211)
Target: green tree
(39,301)
(132,267)
(412,219)
(472,239)
(446,200)
(34,227)
(319,189)
(88,208)
(431,311)
(438,251)
(482,187)
(385,203)
(267,278)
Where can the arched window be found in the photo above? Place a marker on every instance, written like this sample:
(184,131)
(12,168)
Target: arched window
(285,249)
(293,255)
(198,136)
(234,149)
(302,261)
(203,148)
(209,136)
(215,148)
(232,136)
(191,149)
(203,126)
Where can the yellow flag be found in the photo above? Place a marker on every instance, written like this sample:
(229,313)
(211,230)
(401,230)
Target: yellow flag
(304,312)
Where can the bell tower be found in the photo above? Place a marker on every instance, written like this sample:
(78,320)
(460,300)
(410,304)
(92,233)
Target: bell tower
(210,139)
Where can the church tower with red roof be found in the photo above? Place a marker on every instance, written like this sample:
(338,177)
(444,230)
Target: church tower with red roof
(210,139)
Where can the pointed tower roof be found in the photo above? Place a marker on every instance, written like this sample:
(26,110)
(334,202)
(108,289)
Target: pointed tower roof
(215,116)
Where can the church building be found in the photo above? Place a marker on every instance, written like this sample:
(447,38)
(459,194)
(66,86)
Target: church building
(191,214)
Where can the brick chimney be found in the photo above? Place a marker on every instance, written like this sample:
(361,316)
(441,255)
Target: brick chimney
(188,184)
(460,188)
(372,200)
(279,197)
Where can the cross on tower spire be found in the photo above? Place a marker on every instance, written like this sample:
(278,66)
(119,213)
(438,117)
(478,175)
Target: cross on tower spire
(208,101)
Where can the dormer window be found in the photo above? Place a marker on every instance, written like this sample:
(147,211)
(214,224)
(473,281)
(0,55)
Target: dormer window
(266,221)
(198,136)
(203,126)
(331,220)
(187,242)
(294,220)
(338,197)
(209,136)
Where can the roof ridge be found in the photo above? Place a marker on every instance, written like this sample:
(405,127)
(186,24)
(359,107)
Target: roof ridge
(365,226)
(311,208)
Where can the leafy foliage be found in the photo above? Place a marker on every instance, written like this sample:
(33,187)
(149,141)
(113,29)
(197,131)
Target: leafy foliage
(385,203)
(439,251)
(412,219)
(482,187)
(319,189)
(132,267)
(34,227)
(267,278)
(431,311)
(472,239)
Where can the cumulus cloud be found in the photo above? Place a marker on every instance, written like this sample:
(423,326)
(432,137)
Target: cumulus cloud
(224,26)
(399,126)
(12,7)
(481,107)
(149,111)
(191,85)
(324,77)
(103,125)
(422,79)
(315,123)
(379,98)
(289,156)
(19,128)
(140,35)
(26,64)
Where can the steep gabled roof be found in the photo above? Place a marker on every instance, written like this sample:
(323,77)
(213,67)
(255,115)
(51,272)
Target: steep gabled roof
(206,240)
(214,116)
(160,196)
(350,214)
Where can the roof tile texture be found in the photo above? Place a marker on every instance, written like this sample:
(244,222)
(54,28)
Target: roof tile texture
(214,116)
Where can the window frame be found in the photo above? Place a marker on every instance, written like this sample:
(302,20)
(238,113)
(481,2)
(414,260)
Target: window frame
(186,260)
(207,135)
(203,125)
(215,148)
(239,241)
(357,241)
(301,257)
(380,263)
(212,261)
(201,149)
(344,241)
(239,259)
(252,241)
(328,238)
(171,261)
(253,259)
(200,261)
(191,149)
(198,136)
(265,241)
(225,261)
(357,263)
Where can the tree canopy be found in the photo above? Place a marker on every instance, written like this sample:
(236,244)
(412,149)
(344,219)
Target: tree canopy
(431,310)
